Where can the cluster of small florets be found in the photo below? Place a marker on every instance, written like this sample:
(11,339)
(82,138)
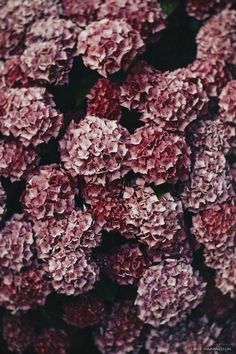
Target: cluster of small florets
(113,225)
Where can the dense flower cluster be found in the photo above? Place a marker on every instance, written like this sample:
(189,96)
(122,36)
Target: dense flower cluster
(16,160)
(146,17)
(120,331)
(203,9)
(117,176)
(84,311)
(18,332)
(50,192)
(108,46)
(52,341)
(188,337)
(167,293)
(218,36)
(29,115)
(159,156)
(95,148)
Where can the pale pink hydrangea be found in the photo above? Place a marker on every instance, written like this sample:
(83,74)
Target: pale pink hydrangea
(71,273)
(11,74)
(16,16)
(168,292)
(83,12)
(16,160)
(144,16)
(218,36)
(95,149)
(50,192)
(72,232)
(227,103)
(16,244)
(3,198)
(29,115)
(108,46)
(158,155)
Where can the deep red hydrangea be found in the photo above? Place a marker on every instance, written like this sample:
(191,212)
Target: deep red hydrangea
(187,337)
(103,100)
(213,72)
(76,230)
(29,115)
(227,103)
(155,221)
(210,181)
(3,198)
(24,290)
(50,192)
(11,74)
(127,264)
(158,155)
(120,331)
(84,311)
(16,16)
(96,149)
(176,101)
(16,244)
(18,332)
(108,46)
(168,292)
(218,36)
(16,160)
(138,85)
(52,341)
(72,273)
(146,17)
(82,13)
(203,9)
(212,135)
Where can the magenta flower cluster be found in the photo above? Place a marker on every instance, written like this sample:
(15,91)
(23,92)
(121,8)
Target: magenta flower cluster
(110,182)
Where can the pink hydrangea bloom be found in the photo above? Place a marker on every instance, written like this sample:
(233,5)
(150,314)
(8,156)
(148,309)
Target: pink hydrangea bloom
(16,16)
(29,114)
(117,38)
(103,100)
(52,341)
(82,13)
(203,9)
(11,74)
(95,149)
(120,331)
(71,232)
(127,265)
(71,273)
(16,244)
(218,36)
(24,290)
(3,198)
(16,160)
(168,292)
(158,155)
(144,16)
(50,192)
(84,311)
(227,103)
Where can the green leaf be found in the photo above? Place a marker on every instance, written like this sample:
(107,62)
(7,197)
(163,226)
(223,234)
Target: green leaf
(169,6)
